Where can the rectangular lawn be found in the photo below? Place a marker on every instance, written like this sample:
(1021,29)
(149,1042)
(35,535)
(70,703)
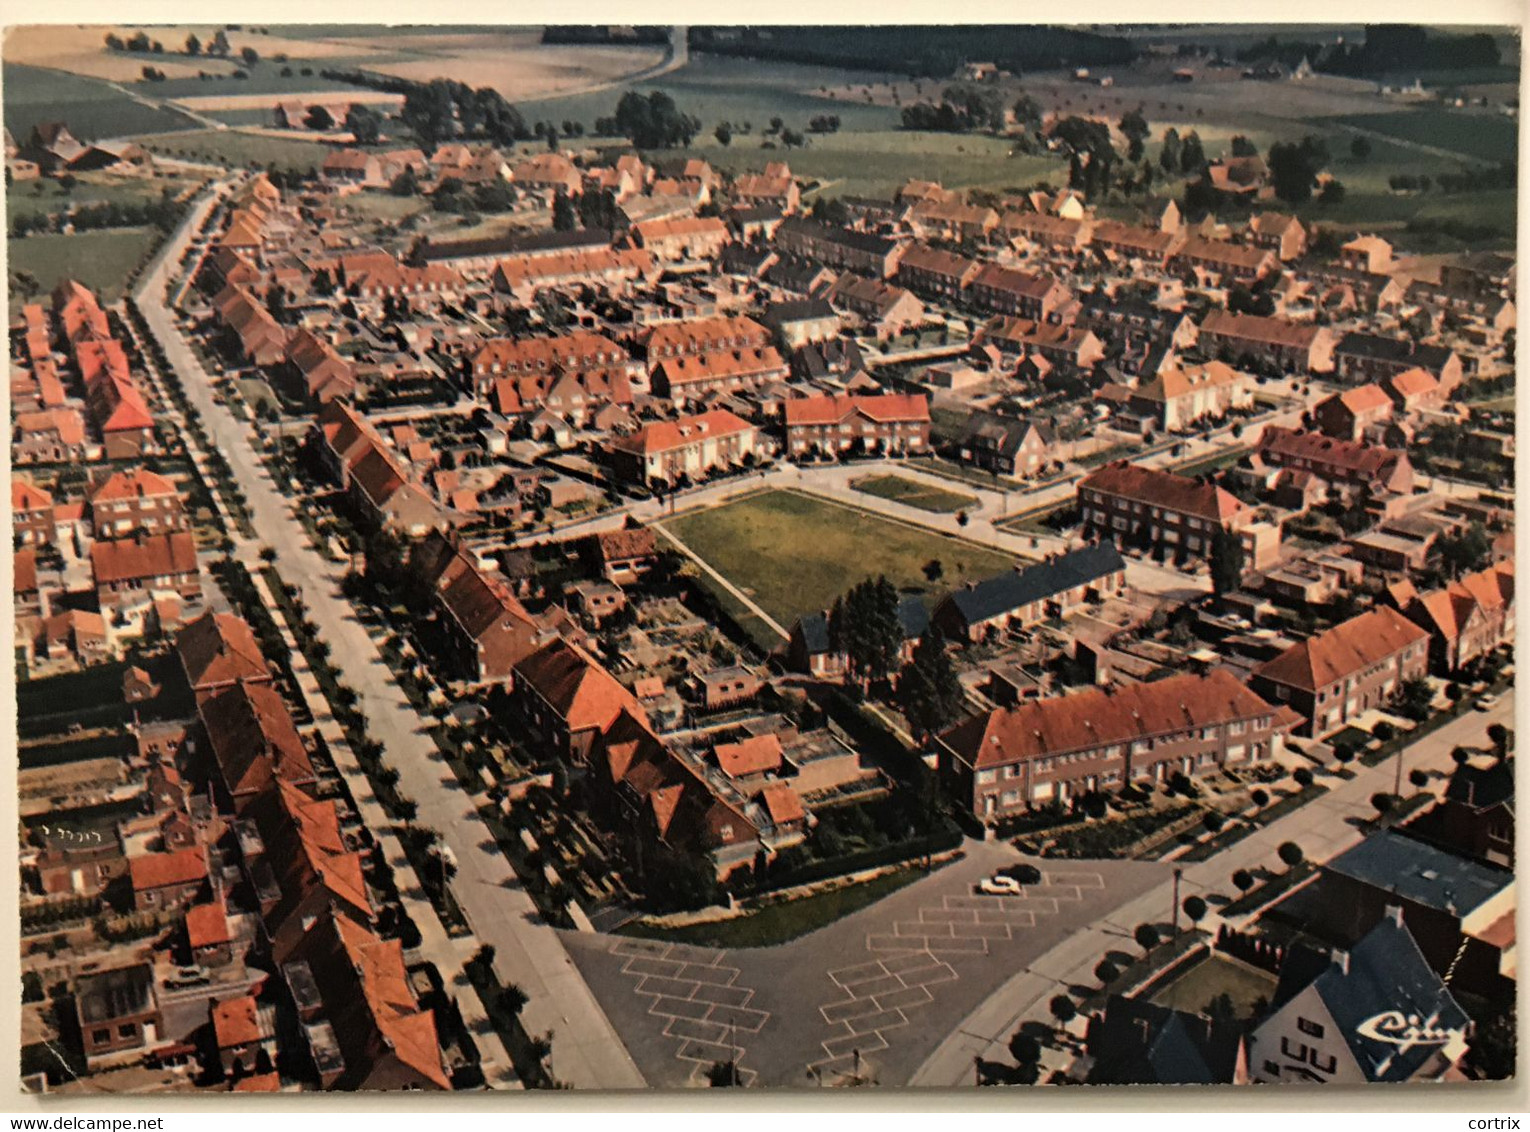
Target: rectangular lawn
(794,553)
(102,260)
(1215,976)
(915,494)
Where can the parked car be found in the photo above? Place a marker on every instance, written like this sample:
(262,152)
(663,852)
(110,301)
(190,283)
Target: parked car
(1022,874)
(999,885)
(1486,703)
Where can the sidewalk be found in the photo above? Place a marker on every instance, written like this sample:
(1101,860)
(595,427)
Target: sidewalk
(1322,828)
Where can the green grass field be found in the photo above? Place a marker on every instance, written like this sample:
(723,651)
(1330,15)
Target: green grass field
(237,150)
(1216,976)
(93,109)
(100,260)
(264,78)
(915,494)
(1486,137)
(794,553)
(45,196)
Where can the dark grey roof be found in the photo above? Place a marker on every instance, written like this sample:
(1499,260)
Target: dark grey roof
(796,310)
(999,434)
(1420,873)
(913,616)
(814,628)
(1137,1042)
(115,994)
(1482,787)
(516,243)
(758,214)
(1384,973)
(1393,350)
(848,237)
(993,597)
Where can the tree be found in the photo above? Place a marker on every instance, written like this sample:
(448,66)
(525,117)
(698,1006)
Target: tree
(723,133)
(1227,561)
(1414,699)
(268,554)
(933,570)
(1290,853)
(565,216)
(1418,777)
(249,55)
(962,518)
(654,122)
(1502,739)
(1062,1009)
(1333,192)
(1134,129)
(1169,156)
(364,124)
(319,118)
(1146,936)
(1024,1048)
(1303,777)
(484,956)
(1243,880)
(1294,167)
(1360,148)
(866,626)
(1383,803)
(512,999)
(1028,114)
(1260,798)
(219,45)
(929,690)
(1466,552)
(793,139)
(723,1075)
(1107,972)
(1213,821)
(1242,147)
(1195,908)
(406,184)
(193,45)
(405,810)
(1192,155)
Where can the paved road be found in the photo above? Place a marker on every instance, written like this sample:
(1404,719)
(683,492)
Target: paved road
(586,1051)
(1323,828)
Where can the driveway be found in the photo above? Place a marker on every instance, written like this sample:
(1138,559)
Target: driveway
(889,981)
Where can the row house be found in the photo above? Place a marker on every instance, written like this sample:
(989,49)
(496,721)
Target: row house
(512,357)
(377,275)
(1370,357)
(547,175)
(1223,262)
(1005,446)
(1046,232)
(1179,398)
(354,167)
(167,879)
(952,220)
(318,365)
(53,436)
(1346,463)
(1281,234)
(690,337)
(576,396)
(690,446)
(361,463)
(691,378)
(1149,246)
(615,269)
(935,273)
(774,188)
(1369,254)
(258,337)
(1138,506)
(253,743)
(489,630)
(800,322)
(217,651)
(478,257)
(885,310)
(1030,594)
(811,649)
(863,252)
(122,416)
(688,237)
(137,500)
(78,312)
(1339,675)
(1466,619)
(1008,291)
(1414,391)
(1295,347)
(1059,345)
(130,572)
(1041,752)
(891,422)
(568,700)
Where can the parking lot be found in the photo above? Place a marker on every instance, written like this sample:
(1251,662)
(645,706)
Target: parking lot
(887,983)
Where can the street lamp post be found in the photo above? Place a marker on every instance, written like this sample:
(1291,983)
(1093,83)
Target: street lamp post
(1174,922)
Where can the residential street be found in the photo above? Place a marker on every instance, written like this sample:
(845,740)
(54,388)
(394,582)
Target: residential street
(586,1050)
(1323,828)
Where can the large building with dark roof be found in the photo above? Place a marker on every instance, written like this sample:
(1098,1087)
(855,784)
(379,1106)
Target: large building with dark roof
(1028,595)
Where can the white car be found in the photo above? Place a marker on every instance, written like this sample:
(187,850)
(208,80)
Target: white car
(999,886)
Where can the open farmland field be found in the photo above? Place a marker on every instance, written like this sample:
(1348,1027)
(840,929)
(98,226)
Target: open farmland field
(876,163)
(43,197)
(717,89)
(239,150)
(1486,137)
(525,72)
(795,553)
(93,109)
(100,260)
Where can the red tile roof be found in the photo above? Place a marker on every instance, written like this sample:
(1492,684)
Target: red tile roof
(410,1031)
(207,925)
(253,738)
(161,870)
(754,755)
(665,436)
(143,558)
(27,496)
(1100,717)
(135,483)
(218,649)
(1163,489)
(782,803)
(831,409)
(575,686)
(236,1022)
(1347,648)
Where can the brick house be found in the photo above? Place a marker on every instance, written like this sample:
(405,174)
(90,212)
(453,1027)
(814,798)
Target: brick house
(865,252)
(219,650)
(688,237)
(568,699)
(691,446)
(117,1013)
(253,743)
(892,422)
(1466,619)
(625,556)
(690,337)
(1224,262)
(129,571)
(1370,357)
(1002,763)
(723,371)
(1348,414)
(1295,347)
(935,273)
(488,629)
(31,514)
(885,310)
(1143,506)
(165,880)
(1004,446)
(1008,291)
(1030,594)
(1284,235)
(133,501)
(1339,675)
(1343,463)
